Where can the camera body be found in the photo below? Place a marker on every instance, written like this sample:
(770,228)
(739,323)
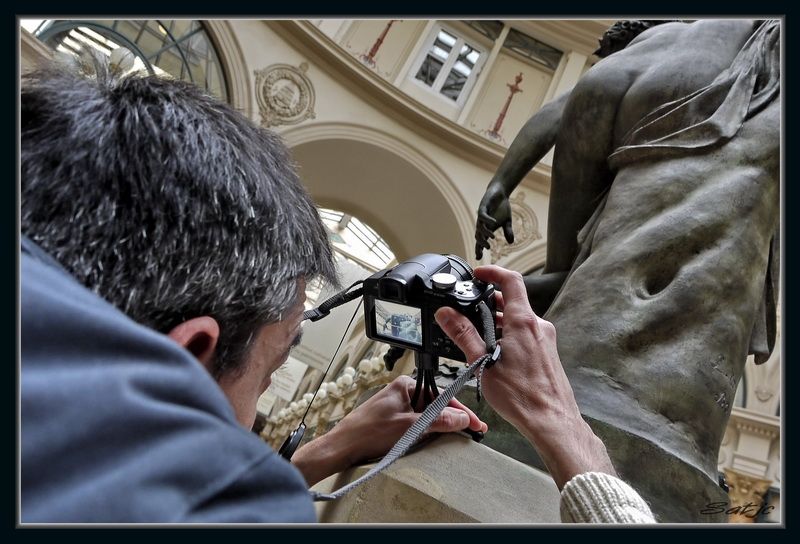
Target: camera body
(400,303)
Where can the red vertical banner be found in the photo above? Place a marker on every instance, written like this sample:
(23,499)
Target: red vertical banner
(369,58)
(513,89)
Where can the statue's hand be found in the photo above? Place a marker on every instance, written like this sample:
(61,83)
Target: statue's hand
(494,212)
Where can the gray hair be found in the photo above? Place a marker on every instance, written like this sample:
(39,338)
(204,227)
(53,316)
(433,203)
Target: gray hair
(166,202)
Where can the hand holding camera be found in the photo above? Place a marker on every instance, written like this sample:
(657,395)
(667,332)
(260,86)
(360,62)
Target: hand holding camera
(399,304)
(528,386)
(429,304)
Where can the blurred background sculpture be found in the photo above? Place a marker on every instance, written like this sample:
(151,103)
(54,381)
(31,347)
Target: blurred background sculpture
(662,254)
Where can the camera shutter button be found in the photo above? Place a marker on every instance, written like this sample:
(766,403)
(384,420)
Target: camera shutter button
(443,281)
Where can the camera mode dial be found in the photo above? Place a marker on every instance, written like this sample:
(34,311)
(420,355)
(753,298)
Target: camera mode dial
(443,281)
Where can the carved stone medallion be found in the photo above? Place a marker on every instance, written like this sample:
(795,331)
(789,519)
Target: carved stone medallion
(285,94)
(526,229)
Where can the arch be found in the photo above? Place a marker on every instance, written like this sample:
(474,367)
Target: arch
(233,65)
(387,183)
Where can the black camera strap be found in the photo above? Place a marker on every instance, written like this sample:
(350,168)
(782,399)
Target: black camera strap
(433,410)
(292,441)
(342,297)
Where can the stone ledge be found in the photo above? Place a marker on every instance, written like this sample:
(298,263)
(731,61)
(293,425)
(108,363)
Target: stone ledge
(450,480)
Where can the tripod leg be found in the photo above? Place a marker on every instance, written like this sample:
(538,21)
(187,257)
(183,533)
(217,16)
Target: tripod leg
(433,390)
(417,390)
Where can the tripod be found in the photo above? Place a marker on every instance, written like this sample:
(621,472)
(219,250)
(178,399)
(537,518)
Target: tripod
(426,387)
(427,365)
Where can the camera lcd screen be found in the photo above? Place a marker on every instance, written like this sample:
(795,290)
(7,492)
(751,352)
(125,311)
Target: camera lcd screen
(399,322)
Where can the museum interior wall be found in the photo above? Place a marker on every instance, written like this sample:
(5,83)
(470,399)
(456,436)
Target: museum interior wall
(396,127)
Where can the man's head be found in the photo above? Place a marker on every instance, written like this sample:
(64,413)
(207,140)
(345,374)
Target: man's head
(172,206)
(621,34)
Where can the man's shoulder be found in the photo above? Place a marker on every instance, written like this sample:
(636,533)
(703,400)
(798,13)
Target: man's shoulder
(66,326)
(119,424)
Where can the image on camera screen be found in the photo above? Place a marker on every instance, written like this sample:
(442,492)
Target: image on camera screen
(398,322)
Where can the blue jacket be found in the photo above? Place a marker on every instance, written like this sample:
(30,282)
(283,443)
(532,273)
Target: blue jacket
(120,424)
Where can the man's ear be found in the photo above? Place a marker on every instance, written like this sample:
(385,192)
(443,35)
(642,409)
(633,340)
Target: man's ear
(199,335)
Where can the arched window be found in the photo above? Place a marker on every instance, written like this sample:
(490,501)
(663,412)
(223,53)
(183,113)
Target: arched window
(358,248)
(359,252)
(356,240)
(180,48)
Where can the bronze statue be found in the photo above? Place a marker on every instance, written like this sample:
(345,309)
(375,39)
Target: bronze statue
(662,250)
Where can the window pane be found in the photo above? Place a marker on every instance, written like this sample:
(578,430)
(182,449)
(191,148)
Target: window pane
(429,70)
(80,38)
(533,49)
(357,240)
(436,57)
(151,38)
(445,40)
(179,27)
(453,85)
(461,71)
(490,29)
(31,25)
(129,29)
(467,58)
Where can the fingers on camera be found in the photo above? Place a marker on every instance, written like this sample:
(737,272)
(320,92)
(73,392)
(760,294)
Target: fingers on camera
(515,296)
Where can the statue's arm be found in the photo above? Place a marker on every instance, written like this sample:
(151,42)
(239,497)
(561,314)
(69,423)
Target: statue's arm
(532,143)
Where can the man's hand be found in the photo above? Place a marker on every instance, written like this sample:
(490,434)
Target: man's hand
(528,386)
(373,428)
(494,212)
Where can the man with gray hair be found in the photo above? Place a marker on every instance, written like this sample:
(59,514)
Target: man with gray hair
(166,245)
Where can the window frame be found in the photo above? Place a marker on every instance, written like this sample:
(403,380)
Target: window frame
(462,38)
(49,29)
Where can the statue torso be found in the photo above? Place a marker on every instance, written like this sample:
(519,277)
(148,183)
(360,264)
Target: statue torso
(653,326)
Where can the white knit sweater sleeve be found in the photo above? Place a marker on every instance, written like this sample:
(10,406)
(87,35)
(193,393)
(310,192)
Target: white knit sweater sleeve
(595,497)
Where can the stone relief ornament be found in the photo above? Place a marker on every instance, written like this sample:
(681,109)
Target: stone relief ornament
(526,229)
(285,94)
(763,394)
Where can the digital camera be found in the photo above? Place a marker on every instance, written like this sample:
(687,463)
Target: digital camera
(399,303)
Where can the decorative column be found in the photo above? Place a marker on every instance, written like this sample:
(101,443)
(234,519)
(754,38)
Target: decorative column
(747,497)
(369,58)
(513,89)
